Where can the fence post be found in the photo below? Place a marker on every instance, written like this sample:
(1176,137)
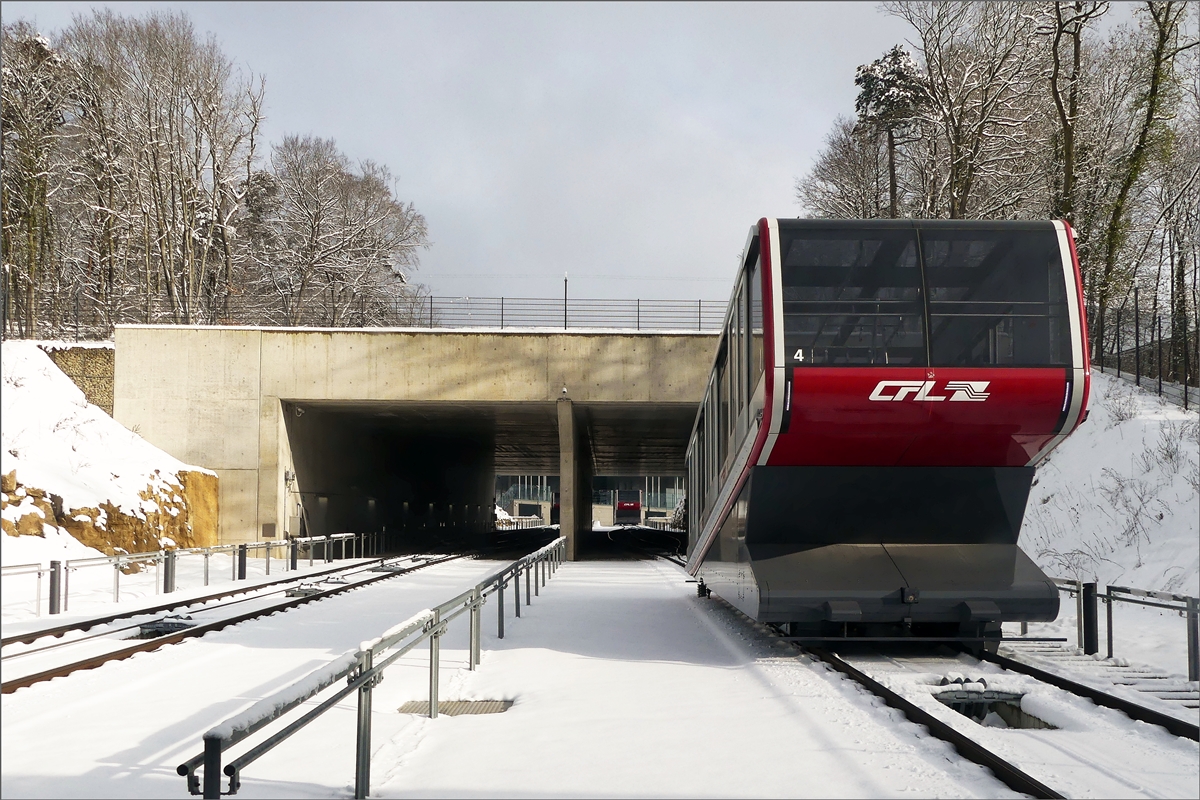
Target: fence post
(501,313)
(500,607)
(473,619)
(1193,640)
(639,314)
(212,767)
(116,581)
(362,749)
(269,548)
(1137,343)
(517,589)
(1108,598)
(241,562)
(1117,343)
(699,315)
(55,587)
(66,584)
(295,554)
(564,301)
(431,311)
(528,580)
(1158,337)
(434,653)
(169,573)
(1091,636)
(1185,367)
(207,555)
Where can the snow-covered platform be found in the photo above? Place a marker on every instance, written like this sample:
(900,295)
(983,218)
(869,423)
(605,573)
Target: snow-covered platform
(622,683)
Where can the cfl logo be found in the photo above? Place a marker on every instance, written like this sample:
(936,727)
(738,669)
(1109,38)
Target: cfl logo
(961,391)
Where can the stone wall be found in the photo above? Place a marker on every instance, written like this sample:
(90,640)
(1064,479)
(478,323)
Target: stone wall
(92,369)
(187,515)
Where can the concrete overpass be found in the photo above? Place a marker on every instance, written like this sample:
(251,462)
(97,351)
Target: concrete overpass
(358,428)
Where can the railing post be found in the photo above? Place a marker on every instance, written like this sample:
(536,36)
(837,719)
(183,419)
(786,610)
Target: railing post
(1108,599)
(66,584)
(1091,636)
(528,580)
(241,562)
(116,581)
(268,549)
(434,654)
(500,607)
(295,548)
(537,576)
(207,555)
(473,619)
(517,589)
(212,767)
(158,569)
(1079,614)
(362,749)
(55,587)
(1193,640)
(169,572)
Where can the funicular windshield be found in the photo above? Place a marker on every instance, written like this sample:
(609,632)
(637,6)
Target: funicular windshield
(854,295)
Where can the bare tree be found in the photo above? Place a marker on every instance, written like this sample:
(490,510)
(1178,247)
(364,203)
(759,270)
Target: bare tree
(849,177)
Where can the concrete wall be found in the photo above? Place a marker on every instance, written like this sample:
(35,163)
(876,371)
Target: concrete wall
(213,396)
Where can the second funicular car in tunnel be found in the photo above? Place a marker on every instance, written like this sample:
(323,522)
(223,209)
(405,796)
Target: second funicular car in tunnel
(881,395)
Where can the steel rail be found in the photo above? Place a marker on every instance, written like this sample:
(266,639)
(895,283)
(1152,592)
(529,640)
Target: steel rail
(1005,772)
(1135,711)
(153,644)
(344,571)
(91,622)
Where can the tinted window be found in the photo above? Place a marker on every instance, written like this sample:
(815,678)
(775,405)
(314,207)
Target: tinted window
(995,298)
(852,297)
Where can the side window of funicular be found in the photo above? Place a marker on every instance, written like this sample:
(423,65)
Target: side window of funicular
(851,296)
(754,282)
(996,297)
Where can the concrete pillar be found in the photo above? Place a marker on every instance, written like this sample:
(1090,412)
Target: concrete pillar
(574,479)
(566,475)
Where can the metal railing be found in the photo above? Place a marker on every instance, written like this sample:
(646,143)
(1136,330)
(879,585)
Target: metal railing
(564,313)
(519,523)
(1087,599)
(1133,346)
(165,563)
(363,670)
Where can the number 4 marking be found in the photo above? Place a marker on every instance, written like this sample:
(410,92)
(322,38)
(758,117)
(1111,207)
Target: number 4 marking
(799,356)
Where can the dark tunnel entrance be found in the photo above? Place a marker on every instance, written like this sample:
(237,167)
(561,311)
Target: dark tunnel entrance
(425,473)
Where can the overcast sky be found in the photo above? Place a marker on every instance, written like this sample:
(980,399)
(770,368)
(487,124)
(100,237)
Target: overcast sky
(629,145)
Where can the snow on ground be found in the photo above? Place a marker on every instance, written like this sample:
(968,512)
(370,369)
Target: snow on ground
(1119,501)
(623,683)
(58,442)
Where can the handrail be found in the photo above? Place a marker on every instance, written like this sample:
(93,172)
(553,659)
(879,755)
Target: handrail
(1087,595)
(363,670)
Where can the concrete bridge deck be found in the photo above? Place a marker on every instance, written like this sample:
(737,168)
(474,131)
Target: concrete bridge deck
(371,427)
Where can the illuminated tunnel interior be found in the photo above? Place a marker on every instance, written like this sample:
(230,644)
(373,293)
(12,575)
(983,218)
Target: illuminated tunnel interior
(424,473)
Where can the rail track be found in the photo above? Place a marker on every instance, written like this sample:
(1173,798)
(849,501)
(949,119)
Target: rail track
(209,605)
(905,679)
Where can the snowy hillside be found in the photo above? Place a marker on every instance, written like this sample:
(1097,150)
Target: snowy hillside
(1119,501)
(71,470)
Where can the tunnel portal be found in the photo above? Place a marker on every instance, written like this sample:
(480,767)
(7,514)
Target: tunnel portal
(340,428)
(424,473)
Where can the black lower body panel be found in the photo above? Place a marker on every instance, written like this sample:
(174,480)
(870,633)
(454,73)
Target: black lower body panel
(828,548)
(890,583)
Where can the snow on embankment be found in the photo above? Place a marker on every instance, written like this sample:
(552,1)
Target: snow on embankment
(76,479)
(1119,501)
